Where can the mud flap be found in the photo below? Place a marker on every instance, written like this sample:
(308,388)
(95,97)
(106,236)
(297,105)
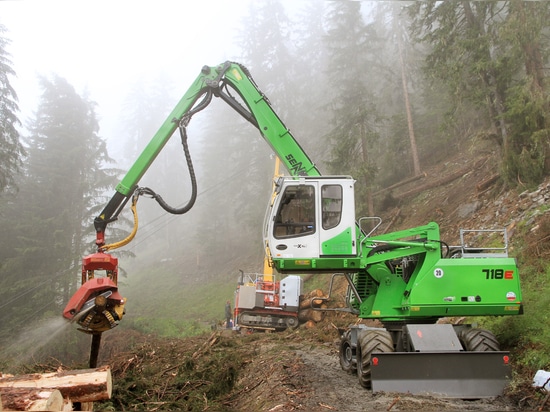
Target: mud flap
(466,375)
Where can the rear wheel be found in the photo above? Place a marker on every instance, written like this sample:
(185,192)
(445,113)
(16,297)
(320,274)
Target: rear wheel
(478,340)
(369,341)
(346,353)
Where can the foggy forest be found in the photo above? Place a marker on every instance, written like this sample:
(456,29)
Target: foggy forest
(377,90)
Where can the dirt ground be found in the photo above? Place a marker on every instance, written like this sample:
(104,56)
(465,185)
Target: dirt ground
(298,374)
(288,371)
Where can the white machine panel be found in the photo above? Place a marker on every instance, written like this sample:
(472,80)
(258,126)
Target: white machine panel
(290,290)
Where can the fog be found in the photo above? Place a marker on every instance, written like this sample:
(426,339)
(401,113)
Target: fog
(135,60)
(109,51)
(121,55)
(103,48)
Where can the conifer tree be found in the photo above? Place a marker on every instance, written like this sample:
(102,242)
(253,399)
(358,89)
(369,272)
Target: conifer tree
(490,55)
(11,149)
(351,53)
(524,31)
(50,223)
(308,121)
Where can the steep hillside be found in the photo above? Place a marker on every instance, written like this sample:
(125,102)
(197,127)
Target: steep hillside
(462,192)
(299,370)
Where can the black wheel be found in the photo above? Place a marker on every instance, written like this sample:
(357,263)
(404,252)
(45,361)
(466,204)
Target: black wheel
(346,353)
(291,322)
(478,340)
(369,341)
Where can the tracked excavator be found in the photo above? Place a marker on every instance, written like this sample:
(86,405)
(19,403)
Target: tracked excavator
(262,302)
(407,280)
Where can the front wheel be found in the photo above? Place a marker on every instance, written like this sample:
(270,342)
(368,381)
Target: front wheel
(346,353)
(368,342)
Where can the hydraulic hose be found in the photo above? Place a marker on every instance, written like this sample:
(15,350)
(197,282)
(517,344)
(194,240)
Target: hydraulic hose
(193,198)
(132,234)
(183,134)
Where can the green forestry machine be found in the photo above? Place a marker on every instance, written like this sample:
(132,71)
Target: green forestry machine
(407,280)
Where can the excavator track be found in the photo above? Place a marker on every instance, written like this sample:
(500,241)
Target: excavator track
(268,320)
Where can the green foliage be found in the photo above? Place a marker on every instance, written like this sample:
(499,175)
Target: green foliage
(168,300)
(527,335)
(528,148)
(12,151)
(168,376)
(528,165)
(355,122)
(492,55)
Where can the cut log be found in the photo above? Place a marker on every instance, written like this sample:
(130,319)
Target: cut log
(83,385)
(487,182)
(309,303)
(309,324)
(441,181)
(31,399)
(306,302)
(310,314)
(68,406)
(87,406)
(402,183)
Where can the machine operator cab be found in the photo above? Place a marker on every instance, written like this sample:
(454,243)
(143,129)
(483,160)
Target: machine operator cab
(312,217)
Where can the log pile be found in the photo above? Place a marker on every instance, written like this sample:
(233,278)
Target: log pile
(56,391)
(309,312)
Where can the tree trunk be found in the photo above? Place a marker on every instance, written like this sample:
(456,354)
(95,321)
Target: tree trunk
(410,126)
(86,385)
(534,62)
(443,180)
(495,100)
(365,159)
(401,183)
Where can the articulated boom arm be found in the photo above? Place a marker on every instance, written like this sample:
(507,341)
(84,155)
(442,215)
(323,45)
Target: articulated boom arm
(97,306)
(216,81)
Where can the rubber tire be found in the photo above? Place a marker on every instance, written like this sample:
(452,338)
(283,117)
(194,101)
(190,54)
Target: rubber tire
(346,353)
(369,341)
(478,340)
(292,322)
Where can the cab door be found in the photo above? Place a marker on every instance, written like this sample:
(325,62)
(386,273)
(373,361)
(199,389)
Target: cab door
(293,229)
(337,226)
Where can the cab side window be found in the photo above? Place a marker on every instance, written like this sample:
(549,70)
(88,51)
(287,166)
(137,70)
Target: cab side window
(331,201)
